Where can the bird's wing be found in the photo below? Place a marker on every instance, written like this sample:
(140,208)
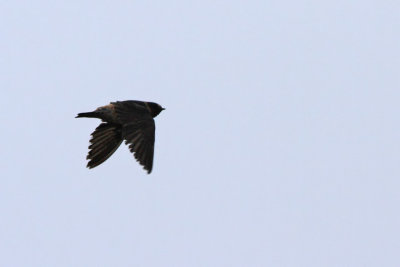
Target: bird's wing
(139,135)
(105,140)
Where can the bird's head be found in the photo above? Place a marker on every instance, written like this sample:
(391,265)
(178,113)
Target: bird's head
(155,108)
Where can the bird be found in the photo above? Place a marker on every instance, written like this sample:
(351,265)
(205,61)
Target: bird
(130,120)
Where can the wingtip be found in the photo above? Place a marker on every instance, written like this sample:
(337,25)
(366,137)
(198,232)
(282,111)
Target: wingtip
(89,166)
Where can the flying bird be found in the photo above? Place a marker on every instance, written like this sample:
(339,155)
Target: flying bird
(131,121)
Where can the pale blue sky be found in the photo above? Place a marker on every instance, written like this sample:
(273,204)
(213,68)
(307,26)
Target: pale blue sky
(279,145)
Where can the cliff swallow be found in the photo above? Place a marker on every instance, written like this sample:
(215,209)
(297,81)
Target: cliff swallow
(131,121)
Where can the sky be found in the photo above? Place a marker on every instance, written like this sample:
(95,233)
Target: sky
(279,145)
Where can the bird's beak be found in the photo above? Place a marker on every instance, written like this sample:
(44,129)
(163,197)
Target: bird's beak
(163,108)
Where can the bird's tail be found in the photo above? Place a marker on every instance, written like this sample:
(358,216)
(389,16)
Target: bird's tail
(93,114)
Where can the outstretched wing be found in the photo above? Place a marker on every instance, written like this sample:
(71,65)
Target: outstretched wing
(105,140)
(139,135)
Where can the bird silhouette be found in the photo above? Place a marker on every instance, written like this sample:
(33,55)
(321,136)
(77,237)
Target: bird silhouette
(129,120)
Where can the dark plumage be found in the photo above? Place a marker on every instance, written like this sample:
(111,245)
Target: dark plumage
(131,121)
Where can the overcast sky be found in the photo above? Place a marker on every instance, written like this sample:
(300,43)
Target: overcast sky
(279,145)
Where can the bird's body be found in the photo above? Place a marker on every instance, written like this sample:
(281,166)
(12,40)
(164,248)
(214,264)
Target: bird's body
(131,121)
